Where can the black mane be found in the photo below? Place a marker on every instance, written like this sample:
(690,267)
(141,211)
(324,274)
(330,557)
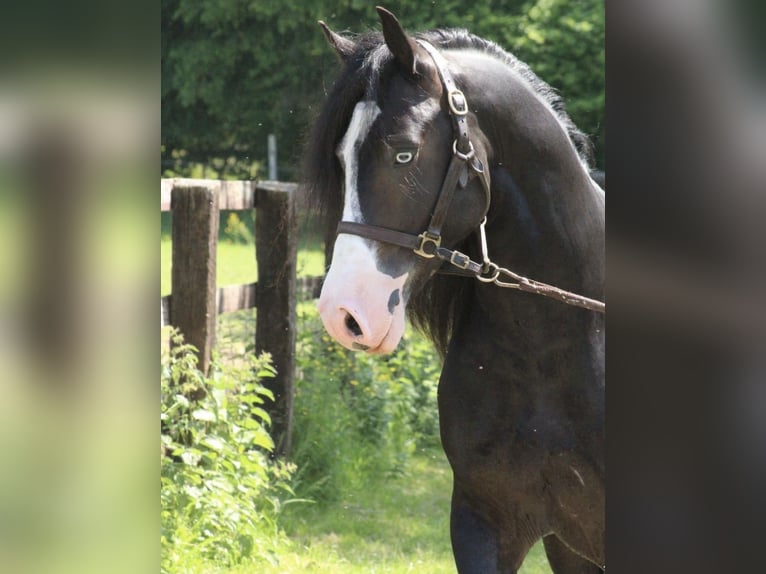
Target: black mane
(458,38)
(437,307)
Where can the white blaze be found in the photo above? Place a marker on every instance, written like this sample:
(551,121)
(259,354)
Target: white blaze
(354,286)
(351,246)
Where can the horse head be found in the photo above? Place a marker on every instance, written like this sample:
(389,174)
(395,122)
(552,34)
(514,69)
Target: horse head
(396,155)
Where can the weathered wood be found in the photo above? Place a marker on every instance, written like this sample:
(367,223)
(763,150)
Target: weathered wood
(278,186)
(239,196)
(195,236)
(231,194)
(236,297)
(310,287)
(195,301)
(233,298)
(166,186)
(276,248)
(165,311)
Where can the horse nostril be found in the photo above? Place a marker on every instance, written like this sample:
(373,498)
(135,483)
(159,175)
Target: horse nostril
(353,326)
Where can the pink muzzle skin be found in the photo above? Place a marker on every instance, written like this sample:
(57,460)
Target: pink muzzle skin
(362,308)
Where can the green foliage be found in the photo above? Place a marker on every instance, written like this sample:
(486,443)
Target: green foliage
(358,415)
(238,229)
(234,71)
(220,492)
(176,163)
(563,41)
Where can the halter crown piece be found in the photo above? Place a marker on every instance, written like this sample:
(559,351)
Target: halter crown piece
(428,243)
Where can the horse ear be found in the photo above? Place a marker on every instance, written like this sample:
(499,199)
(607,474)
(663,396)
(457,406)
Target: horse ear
(343,46)
(406,51)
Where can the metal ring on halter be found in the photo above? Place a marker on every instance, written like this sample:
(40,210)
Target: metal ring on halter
(464,156)
(495,273)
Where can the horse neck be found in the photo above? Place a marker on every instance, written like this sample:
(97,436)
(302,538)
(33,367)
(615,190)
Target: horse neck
(546,219)
(562,247)
(548,226)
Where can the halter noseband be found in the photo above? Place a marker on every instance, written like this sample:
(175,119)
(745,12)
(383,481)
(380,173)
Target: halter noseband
(428,243)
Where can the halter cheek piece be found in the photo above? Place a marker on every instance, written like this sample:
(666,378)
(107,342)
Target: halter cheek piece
(428,243)
(463,164)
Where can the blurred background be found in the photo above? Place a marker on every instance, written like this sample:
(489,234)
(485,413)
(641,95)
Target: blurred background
(83,96)
(234,72)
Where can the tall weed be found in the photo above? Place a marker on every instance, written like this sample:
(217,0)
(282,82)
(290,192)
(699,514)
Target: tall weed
(357,415)
(221,493)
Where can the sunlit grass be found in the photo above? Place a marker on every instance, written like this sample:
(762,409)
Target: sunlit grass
(390,526)
(236,264)
(393,525)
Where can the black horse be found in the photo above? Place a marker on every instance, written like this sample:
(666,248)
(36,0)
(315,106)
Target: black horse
(442,152)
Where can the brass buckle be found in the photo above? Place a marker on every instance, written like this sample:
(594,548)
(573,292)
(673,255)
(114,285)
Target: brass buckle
(457,107)
(425,239)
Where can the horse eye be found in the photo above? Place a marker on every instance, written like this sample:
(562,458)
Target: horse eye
(404,157)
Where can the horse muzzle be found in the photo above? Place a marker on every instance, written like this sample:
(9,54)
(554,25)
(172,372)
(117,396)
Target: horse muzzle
(361,307)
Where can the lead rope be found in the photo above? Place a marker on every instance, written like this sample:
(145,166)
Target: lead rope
(491,273)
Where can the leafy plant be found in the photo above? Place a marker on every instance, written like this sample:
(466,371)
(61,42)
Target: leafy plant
(221,493)
(234,72)
(358,415)
(237,229)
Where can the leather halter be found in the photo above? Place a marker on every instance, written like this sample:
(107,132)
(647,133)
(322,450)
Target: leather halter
(428,243)
(463,164)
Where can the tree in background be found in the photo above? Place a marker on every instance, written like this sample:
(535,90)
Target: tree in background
(234,71)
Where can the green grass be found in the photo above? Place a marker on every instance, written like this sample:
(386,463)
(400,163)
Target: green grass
(391,526)
(236,263)
(394,526)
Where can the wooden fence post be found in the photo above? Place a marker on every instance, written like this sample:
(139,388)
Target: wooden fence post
(194,294)
(276,248)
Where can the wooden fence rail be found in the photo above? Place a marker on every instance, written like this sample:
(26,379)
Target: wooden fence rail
(195,300)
